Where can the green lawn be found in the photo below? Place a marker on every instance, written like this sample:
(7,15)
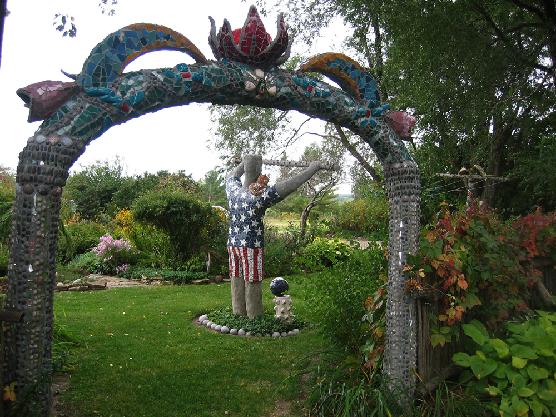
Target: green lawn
(141,355)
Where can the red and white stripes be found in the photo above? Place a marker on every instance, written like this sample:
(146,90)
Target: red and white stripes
(246,261)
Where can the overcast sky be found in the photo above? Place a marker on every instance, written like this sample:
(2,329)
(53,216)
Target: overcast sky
(172,139)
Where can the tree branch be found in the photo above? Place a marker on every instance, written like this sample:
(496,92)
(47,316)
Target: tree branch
(293,136)
(352,150)
(529,7)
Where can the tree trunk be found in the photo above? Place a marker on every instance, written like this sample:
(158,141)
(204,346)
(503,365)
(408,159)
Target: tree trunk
(501,135)
(305,217)
(3,14)
(353,151)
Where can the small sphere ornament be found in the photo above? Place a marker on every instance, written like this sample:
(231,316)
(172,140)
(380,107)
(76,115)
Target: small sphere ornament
(278,286)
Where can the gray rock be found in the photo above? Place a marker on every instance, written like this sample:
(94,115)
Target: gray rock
(218,327)
(203,281)
(275,334)
(248,334)
(213,326)
(233,331)
(241,332)
(204,322)
(203,317)
(208,323)
(296,331)
(225,329)
(283,334)
(291,333)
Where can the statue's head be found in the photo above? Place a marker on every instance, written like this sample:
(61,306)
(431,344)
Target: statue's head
(253,165)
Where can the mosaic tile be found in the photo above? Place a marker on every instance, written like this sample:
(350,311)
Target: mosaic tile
(246,71)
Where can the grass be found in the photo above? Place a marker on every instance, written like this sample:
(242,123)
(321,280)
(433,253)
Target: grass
(140,354)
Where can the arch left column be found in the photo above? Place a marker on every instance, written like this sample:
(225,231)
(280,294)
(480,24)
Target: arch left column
(41,173)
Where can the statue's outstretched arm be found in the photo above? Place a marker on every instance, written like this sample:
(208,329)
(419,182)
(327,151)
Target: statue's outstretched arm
(237,171)
(286,187)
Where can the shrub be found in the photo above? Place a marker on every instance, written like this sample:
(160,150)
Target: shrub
(115,255)
(518,373)
(279,252)
(191,225)
(4,257)
(365,216)
(78,238)
(7,197)
(337,296)
(154,245)
(259,326)
(176,277)
(86,263)
(479,267)
(323,253)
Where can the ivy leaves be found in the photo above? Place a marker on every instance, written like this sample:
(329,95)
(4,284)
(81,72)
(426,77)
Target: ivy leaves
(518,372)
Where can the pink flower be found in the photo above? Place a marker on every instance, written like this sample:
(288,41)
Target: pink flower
(251,44)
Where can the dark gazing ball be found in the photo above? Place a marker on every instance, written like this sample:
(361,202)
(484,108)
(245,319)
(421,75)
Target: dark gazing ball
(278,286)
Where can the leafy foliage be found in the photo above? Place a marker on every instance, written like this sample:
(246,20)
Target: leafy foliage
(78,238)
(259,326)
(246,129)
(7,197)
(518,372)
(365,216)
(337,295)
(92,189)
(189,223)
(115,255)
(478,265)
(323,253)
(176,277)
(212,188)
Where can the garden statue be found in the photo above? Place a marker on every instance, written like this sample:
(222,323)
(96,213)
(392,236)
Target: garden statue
(283,302)
(247,204)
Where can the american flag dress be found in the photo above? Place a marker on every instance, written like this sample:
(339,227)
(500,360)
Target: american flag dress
(246,231)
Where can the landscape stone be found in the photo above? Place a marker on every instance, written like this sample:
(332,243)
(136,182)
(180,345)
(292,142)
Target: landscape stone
(241,332)
(225,329)
(233,331)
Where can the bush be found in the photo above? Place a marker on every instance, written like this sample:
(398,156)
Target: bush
(78,238)
(259,326)
(4,257)
(115,255)
(279,252)
(176,277)
(323,253)
(86,263)
(517,373)
(191,225)
(154,246)
(365,216)
(7,197)
(337,296)
(479,267)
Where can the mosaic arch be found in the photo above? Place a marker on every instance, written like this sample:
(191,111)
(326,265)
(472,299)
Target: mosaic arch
(246,71)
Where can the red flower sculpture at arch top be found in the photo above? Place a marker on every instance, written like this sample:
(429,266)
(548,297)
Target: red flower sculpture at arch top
(251,44)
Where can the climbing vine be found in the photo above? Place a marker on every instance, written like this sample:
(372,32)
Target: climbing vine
(477,266)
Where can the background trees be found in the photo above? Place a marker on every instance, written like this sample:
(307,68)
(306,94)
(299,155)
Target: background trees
(478,75)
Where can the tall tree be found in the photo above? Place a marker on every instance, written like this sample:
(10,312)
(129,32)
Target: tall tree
(321,186)
(478,74)
(212,188)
